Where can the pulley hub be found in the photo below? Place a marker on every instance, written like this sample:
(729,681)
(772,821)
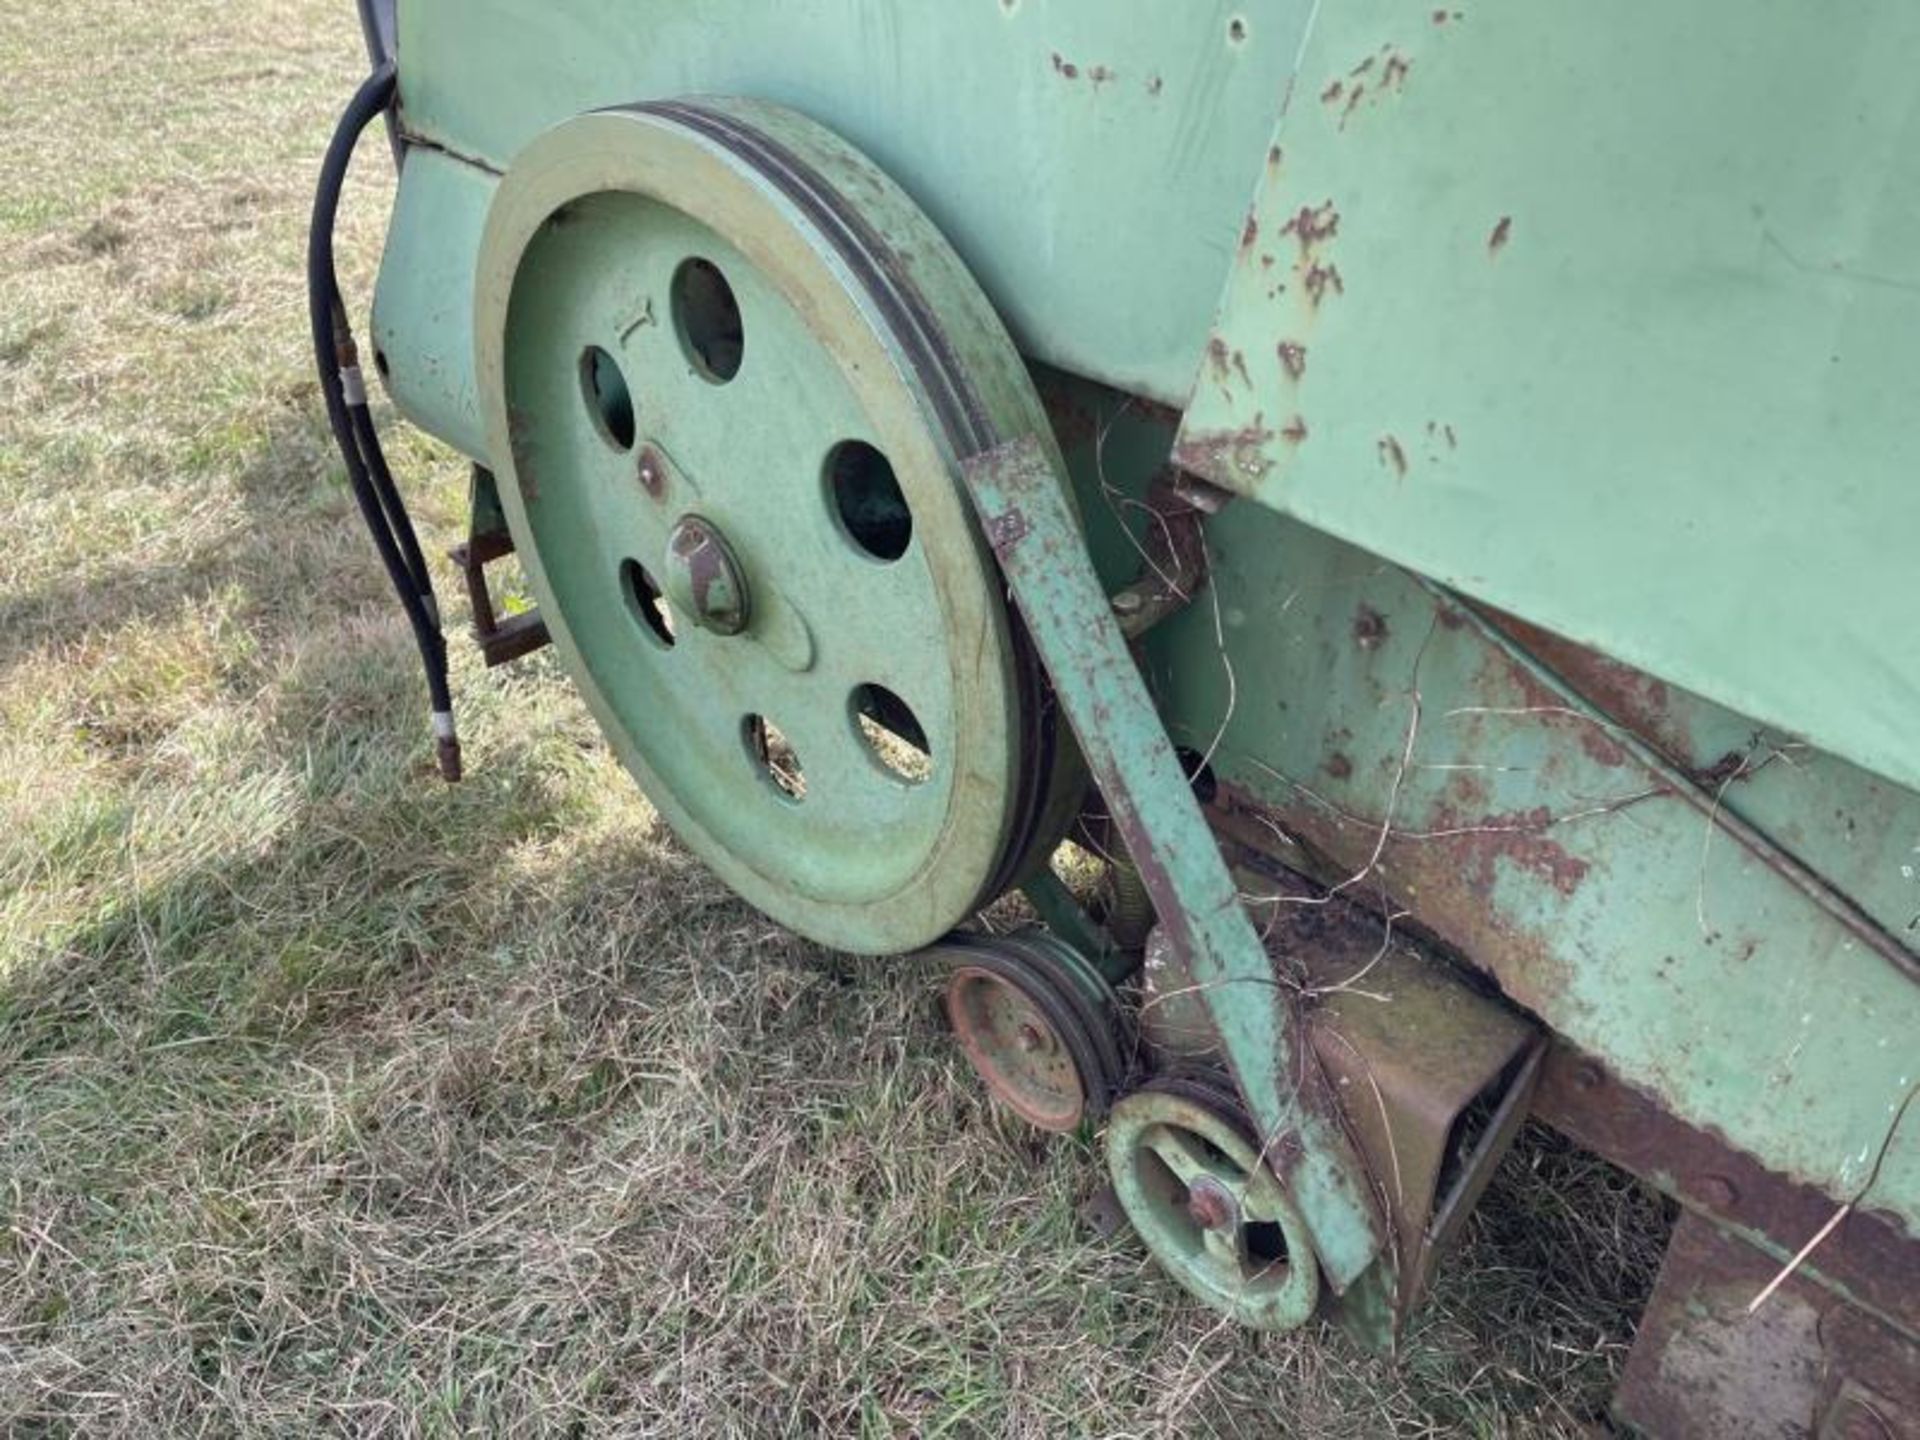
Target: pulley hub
(703,580)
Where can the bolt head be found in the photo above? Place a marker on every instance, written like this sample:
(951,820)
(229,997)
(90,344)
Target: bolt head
(703,579)
(1211,1206)
(653,477)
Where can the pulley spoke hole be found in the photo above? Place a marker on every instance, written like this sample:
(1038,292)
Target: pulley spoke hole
(866,497)
(893,733)
(707,319)
(770,749)
(1266,1243)
(608,399)
(645,602)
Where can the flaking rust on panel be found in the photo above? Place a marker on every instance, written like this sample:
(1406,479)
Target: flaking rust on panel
(1226,362)
(1313,224)
(1373,80)
(1231,456)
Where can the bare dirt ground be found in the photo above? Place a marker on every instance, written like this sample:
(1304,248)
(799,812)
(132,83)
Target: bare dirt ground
(332,1098)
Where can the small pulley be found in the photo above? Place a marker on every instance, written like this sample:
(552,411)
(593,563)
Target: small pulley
(1202,1197)
(1038,1022)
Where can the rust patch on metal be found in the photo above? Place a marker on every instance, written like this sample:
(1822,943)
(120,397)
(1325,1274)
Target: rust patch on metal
(1274,157)
(1065,67)
(1868,1254)
(1227,457)
(1502,230)
(1393,455)
(1250,232)
(1154,84)
(1293,358)
(1703,1368)
(1443,879)
(1338,766)
(1312,225)
(1294,432)
(652,473)
(1391,79)
(1320,280)
(1369,628)
(1005,532)
(1217,356)
(1100,75)
(1518,836)
(1631,698)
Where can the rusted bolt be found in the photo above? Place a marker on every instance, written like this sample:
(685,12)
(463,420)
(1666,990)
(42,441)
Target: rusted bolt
(1369,628)
(653,475)
(1030,1039)
(1127,602)
(1718,1192)
(1587,1075)
(1211,1207)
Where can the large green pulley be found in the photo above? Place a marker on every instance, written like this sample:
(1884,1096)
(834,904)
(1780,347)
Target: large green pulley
(730,374)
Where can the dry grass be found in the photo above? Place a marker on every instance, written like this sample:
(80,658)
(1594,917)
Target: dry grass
(331,1098)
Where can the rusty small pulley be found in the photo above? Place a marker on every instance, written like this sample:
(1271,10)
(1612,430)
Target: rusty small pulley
(1038,1023)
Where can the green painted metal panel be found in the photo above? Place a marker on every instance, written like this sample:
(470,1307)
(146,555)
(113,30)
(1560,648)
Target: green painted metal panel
(423,303)
(1531,840)
(1609,315)
(1072,151)
(1526,836)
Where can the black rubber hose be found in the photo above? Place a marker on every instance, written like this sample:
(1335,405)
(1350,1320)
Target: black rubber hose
(375,458)
(337,360)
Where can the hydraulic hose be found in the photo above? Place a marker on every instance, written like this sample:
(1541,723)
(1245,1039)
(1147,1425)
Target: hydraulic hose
(344,390)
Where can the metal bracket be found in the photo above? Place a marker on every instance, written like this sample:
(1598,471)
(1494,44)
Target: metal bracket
(1017,491)
(1174,553)
(500,641)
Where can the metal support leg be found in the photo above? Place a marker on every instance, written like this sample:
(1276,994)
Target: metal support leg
(1022,504)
